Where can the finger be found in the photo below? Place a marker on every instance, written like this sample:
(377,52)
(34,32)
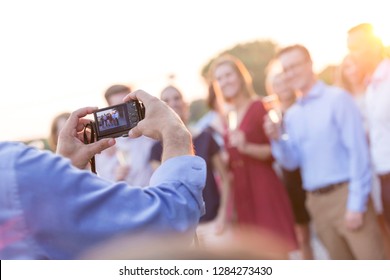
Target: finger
(80,136)
(85,135)
(138,95)
(82,123)
(73,120)
(267,119)
(268,127)
(97,147)
(135,132)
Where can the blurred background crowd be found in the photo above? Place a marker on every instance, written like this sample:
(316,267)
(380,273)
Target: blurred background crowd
(250,181)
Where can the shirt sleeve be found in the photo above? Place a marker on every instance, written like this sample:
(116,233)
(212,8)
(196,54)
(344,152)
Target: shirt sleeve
(350,124)
(68,211)
(284,150)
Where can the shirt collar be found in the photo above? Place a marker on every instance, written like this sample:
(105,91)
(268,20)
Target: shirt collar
(381,72)
(314,92)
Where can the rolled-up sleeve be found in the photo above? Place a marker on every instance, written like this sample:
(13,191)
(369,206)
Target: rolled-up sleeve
(190,171)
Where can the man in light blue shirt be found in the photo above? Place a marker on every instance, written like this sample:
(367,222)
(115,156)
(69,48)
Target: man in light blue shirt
(50,209)
(323,134)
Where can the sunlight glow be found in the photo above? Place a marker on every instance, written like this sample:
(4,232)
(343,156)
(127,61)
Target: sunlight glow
(381,28)
(60,56)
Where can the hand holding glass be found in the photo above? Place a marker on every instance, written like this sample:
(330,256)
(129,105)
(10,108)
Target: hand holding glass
(272,106)
(232,120)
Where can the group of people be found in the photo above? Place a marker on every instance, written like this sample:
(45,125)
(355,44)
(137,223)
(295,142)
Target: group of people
(110,119)
(323,134)
(311,159)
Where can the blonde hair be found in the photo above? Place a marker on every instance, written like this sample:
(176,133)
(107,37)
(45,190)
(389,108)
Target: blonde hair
(371,39)
(239,68)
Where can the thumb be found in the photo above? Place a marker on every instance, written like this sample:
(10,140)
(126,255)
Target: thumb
(135,132)
(97,147)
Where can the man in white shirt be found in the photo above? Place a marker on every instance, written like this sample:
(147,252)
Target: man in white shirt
(370,54)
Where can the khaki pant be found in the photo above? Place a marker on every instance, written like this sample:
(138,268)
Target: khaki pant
(385,193)
(327,211)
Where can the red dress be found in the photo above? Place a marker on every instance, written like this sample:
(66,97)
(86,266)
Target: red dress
(260,199)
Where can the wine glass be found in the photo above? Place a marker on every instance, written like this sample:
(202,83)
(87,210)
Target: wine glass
(272,106)
(232,120)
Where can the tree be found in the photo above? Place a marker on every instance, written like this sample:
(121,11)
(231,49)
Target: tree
(197,109)
(255,56)
(328,74)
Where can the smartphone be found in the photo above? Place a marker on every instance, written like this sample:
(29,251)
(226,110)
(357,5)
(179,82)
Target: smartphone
(117,120)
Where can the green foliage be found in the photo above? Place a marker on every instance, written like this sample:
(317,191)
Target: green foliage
(197,109)
(40,143)
(328,74)
(255,55)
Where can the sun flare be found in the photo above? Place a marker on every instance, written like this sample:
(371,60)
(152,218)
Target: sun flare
(381,30)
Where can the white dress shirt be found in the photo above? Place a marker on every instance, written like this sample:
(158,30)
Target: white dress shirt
(378,116)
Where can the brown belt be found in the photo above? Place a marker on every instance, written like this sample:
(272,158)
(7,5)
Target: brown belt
(329,188)
(385,176)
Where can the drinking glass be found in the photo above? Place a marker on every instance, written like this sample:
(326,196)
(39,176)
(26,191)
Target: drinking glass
(272,106)
(232,120)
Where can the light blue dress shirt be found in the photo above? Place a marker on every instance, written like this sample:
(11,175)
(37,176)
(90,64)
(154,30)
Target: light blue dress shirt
(324,136)
(52,210)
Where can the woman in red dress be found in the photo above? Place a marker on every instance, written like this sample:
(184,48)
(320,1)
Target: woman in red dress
(260,199)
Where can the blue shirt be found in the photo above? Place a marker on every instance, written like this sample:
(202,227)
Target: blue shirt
(52,210)
(324,136)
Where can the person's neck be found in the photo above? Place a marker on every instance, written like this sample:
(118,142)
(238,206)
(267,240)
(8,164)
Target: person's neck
(219,108)
(287,103)
(358,88)
(241,101)
(240,104)
(304,91)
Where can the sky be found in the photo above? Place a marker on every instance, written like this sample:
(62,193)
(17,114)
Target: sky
(58,56)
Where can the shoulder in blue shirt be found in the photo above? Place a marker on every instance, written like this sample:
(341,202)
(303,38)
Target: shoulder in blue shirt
(51,210)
